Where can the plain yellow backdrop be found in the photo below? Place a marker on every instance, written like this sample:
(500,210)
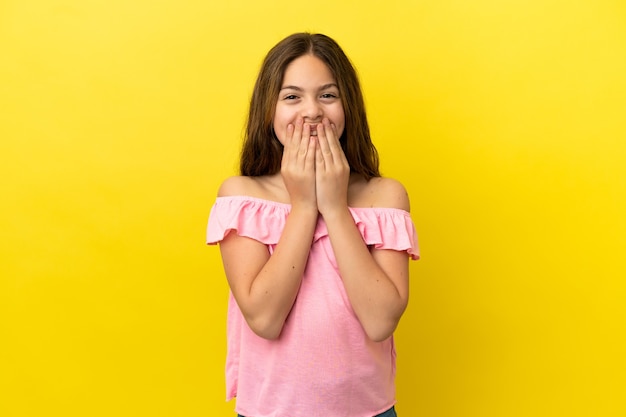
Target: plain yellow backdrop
(504,119)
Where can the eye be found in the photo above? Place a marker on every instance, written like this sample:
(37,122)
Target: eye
(290,97)
(329,95)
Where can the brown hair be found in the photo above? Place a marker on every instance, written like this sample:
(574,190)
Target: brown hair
(262,152)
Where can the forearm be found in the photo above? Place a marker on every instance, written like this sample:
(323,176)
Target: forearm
(375,297)
(274,289)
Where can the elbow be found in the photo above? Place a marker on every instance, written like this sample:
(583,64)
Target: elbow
(268,334)
(266,329)
(381,331)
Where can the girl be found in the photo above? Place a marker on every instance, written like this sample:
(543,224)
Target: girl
(315,245)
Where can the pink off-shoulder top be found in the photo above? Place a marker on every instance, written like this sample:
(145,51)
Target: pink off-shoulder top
(323,364)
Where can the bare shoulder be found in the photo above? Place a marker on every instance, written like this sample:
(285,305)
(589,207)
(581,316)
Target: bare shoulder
(265,187)
(237,185)
(381,192)
(389,192)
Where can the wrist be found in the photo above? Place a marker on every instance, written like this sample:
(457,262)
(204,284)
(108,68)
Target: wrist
(334,214)
(304,209)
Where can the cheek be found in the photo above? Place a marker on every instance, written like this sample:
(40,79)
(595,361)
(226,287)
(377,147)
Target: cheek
(340,122)
(280,129)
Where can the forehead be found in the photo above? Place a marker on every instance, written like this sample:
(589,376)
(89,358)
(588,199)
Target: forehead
(307,70)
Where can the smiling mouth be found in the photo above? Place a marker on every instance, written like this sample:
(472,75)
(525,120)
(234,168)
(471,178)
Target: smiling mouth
(313,130)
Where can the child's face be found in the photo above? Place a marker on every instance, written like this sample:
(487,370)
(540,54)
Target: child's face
(309,91)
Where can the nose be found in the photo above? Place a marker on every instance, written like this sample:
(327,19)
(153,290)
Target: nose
(312,111)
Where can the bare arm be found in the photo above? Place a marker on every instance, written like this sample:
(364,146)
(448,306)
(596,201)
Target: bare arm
(376,281)
(264,286)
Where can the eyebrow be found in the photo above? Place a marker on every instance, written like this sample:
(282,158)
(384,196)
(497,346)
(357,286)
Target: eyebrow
(296,88)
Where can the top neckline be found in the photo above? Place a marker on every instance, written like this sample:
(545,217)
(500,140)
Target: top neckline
(287,206)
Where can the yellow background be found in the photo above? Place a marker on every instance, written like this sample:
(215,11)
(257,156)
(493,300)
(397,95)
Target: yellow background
(504,119)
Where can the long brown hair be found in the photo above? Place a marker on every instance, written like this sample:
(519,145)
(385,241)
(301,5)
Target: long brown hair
(262,152)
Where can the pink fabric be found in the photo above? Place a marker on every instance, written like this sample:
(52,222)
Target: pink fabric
(322,364)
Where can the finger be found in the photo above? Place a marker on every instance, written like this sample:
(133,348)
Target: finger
(292,141)
(331,135)
(333,143)
(311,155)
(288,142)
(320,165)
(324,144)
(289,135)
(297,133)
(304,140)
(299,123)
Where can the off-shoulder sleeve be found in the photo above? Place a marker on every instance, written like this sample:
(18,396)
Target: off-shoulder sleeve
(249,217)
(385,228)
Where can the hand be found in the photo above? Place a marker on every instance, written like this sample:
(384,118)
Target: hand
(298,165)
(332,171)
